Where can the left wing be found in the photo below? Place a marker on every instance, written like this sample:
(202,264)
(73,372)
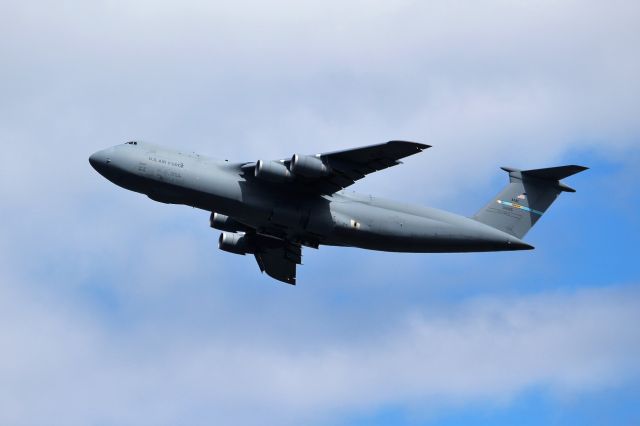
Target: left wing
(278,258)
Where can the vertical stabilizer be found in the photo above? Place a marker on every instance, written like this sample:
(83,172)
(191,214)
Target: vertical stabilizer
(527,197)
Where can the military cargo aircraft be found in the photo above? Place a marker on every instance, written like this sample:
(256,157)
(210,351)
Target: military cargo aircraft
(272,208)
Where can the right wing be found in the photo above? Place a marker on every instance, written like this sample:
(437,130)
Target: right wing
(347,166)
(351,165)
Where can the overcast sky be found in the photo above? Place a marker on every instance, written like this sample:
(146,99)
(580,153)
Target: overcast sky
(118,310)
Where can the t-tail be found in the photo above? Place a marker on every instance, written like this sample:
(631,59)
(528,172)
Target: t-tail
(527,197)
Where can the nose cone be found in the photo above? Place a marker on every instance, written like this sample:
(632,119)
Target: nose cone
(100,161)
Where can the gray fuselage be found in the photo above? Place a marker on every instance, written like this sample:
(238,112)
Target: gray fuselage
(285,211)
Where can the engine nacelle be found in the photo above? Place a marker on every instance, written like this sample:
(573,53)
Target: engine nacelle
(273,171)
(234,242)
(225,223)
(308,166)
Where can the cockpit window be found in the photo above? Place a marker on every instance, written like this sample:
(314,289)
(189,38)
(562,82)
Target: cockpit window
(132,143)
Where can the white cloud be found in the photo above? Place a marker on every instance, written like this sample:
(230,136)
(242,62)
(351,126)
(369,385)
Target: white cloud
(60,363)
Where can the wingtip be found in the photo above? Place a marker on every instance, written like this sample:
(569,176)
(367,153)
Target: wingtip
(509,169)
(420,146)
(575,168)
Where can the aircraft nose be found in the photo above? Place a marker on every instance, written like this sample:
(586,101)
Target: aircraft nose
(99,160)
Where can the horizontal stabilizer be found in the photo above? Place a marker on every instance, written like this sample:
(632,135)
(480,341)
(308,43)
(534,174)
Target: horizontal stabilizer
(555,173)
(552,174)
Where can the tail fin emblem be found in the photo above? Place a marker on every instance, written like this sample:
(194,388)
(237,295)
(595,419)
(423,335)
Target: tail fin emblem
(518,206)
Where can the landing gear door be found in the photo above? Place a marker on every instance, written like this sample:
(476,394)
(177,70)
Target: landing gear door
(289,216)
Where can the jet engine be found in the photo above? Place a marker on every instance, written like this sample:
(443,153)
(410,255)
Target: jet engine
(308,166)
(233,242)
(225,223)
(273,171)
